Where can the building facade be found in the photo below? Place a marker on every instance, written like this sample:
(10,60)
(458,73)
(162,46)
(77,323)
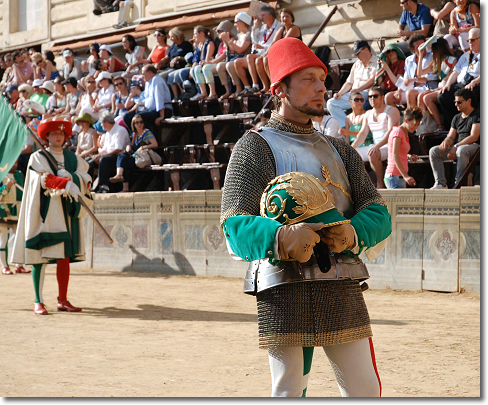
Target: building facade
(56,24)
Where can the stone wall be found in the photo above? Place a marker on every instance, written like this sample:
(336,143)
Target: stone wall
(435,243)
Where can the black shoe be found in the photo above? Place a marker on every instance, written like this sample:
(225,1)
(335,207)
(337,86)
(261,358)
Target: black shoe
(111,9)
(97,12)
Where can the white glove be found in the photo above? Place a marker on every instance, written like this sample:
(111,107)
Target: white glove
(296,242)
(64,173)
(73,190)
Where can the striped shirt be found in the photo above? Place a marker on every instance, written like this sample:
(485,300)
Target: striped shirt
(379,126)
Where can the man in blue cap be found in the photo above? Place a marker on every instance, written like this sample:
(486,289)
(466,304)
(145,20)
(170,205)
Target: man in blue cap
(13,94)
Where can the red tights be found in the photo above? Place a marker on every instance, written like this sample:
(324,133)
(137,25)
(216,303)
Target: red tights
(62,274)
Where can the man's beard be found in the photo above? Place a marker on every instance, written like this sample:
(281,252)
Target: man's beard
(305,109)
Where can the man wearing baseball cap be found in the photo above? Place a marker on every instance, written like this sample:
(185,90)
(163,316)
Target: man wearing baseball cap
(361,78)
(49,228)
(39,96)
(307,295)
(13,94)
(71,67)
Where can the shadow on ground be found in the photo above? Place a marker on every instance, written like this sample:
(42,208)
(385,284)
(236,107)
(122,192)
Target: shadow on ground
(161,313)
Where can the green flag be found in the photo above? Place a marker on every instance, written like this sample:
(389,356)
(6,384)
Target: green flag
(13,134)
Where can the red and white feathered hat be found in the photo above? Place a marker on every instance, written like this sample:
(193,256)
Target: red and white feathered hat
(287,56)
(47,126)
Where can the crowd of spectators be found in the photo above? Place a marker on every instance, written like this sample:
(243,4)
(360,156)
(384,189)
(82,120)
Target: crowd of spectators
(437,55)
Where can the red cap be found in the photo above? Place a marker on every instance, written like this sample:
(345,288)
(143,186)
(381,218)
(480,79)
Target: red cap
(287,56)
(54,125)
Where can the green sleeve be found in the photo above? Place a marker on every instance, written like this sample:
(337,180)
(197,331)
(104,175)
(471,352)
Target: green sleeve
(372,225)
(251,237)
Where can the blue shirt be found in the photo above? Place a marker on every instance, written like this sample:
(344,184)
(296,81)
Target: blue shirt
(157,95)
(417,21)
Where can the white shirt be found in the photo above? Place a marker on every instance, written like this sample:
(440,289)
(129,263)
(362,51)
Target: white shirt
(360,74)
(264,36)
(105,97)
(86,106)
(115,139)
(411,68)
(85,140)
(328,126)
(463,67)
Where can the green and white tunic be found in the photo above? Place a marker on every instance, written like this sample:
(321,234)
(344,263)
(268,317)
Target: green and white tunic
(49,227)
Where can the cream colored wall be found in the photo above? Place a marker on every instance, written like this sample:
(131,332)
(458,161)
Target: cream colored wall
(434,245)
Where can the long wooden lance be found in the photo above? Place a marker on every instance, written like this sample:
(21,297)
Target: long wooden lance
(317,33)
(80,200)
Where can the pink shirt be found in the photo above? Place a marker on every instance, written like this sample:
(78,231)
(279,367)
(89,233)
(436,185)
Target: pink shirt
(402,152)
(27,71)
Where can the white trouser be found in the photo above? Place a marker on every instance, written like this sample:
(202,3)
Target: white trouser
(353,363)
(363,152)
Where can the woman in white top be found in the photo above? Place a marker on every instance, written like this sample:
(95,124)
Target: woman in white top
(134,56)
(106,89)
(87,137)
(89,97)
(87,65)
(240,47)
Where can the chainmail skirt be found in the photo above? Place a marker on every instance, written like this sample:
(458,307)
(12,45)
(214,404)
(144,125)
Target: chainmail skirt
(314,313)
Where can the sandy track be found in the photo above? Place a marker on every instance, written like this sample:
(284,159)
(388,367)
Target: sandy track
(145,335)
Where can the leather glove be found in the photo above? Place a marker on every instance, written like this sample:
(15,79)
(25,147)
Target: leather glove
(64,173)
(338,237)
(73,190)
(296,242)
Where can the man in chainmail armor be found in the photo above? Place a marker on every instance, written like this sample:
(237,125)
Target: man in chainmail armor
(302,304)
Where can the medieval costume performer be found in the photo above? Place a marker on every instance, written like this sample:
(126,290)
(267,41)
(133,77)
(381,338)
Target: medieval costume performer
(305,275)
(49,229)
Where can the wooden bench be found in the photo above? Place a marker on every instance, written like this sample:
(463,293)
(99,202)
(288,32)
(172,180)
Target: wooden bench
(208,122)
(214,168)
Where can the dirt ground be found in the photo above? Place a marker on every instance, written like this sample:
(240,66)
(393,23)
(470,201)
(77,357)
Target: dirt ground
(146,335)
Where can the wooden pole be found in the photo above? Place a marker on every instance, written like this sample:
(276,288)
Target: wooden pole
(322,26)
(80,200)
(319,30)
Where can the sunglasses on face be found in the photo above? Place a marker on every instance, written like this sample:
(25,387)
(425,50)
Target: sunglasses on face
(373,96)
(457,102)
(471,40)
(119,84)
(358,99)
(138,122)
(91,81)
